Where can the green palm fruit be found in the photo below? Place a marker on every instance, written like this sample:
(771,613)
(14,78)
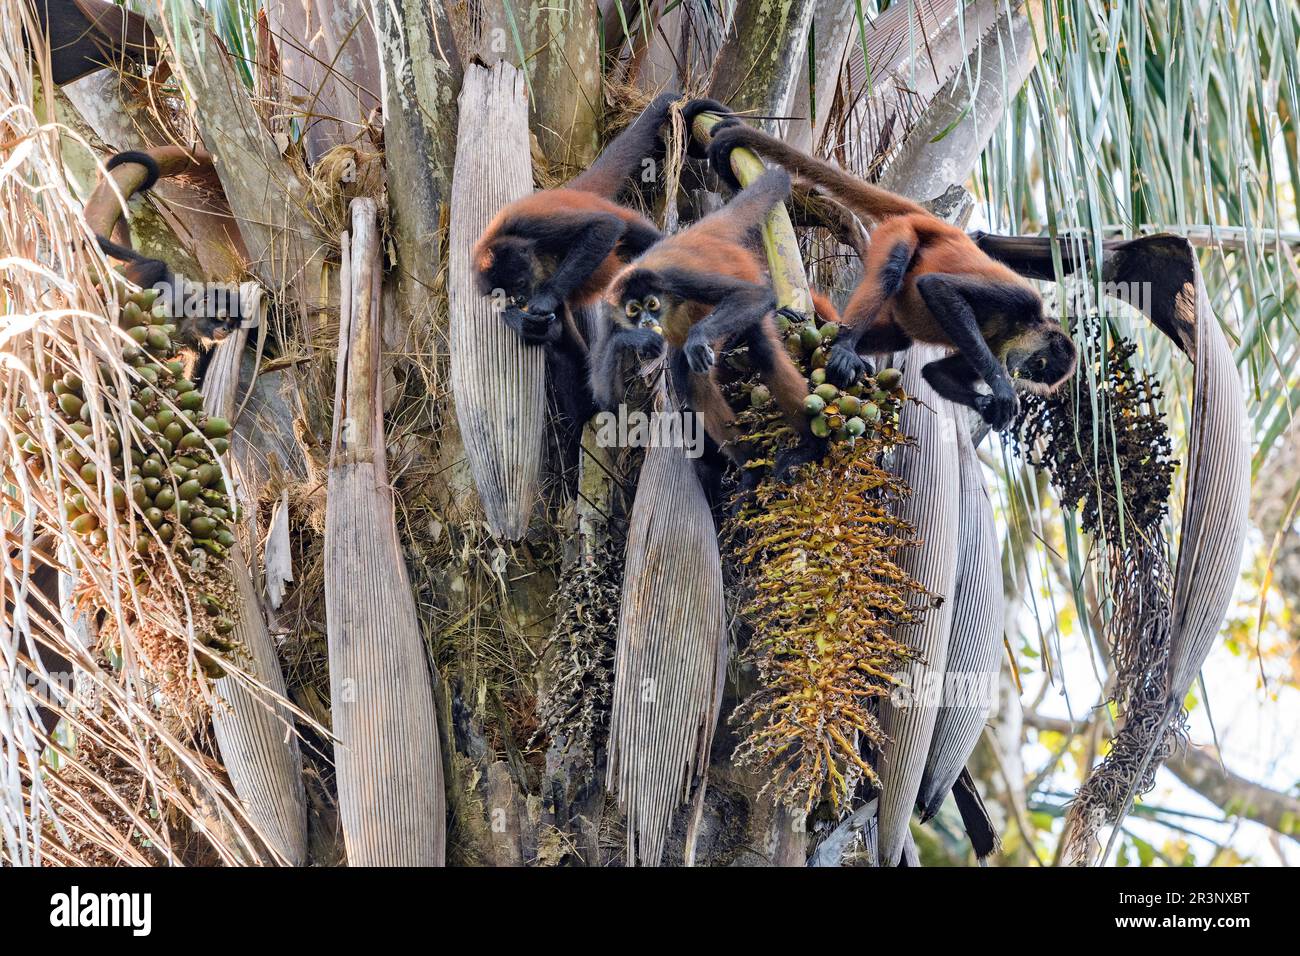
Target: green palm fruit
(889,378)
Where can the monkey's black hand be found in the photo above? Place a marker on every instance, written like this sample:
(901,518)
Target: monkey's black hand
(998,409)
(643,343)
(843,366)
(532,328)
(699,355)
(543,303)
(693,109)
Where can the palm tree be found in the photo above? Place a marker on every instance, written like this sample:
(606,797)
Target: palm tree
(460,632)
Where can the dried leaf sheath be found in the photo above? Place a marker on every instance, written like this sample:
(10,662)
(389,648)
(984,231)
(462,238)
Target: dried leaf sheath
(390,785)
(499,383)
(1217,496)
(930,469)
(254,734)
(671,653)
(975,642)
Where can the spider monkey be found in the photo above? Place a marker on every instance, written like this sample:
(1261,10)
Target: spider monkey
(926,280)
(196,327)
(560,247)
(699,291)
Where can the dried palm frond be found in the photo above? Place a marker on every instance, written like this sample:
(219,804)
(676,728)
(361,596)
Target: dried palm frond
(671,653)
(930,469)
(975,642)
(388,757)
(498,382)
(253,727)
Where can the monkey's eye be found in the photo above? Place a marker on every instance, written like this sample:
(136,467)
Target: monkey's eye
(652,303)
(633,309)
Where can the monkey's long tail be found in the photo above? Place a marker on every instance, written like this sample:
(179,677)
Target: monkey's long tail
(862,197)
(121,253)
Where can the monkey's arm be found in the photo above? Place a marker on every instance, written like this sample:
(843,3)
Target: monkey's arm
(617,360)
(955,302)
(582,243)
(741,308)
(738,306)
(638,236)
(566,364)
(893,246)
(954,379)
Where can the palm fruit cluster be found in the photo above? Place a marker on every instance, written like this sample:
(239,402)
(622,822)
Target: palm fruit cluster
(165,484)
(574,707)
(823,592)
(842,415)
(1060,432)
(825,599)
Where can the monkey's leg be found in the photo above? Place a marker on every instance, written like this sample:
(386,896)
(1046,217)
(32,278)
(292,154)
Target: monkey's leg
(566,362)
(1029,255)
(703,409)
(893,244)
(956,303)
(953,378)
(718,420)
(622,158)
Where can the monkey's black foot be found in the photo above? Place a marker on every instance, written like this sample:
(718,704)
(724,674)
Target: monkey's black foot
(692,109)
(844,367)
(794,315)
(699,356)
(787,463)
(998,409)
(533,329)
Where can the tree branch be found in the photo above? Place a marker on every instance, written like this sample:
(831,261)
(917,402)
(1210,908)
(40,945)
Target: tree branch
(1201,770)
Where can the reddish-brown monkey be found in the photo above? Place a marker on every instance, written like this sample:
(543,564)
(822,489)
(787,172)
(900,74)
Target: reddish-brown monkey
(926,280)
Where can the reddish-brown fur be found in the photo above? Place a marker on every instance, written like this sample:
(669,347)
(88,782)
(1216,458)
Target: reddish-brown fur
(940,246)
(560,203)
(710,247)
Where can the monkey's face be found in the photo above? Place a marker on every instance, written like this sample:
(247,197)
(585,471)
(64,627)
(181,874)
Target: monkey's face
(646,312)
(1041,359)
(509,264)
